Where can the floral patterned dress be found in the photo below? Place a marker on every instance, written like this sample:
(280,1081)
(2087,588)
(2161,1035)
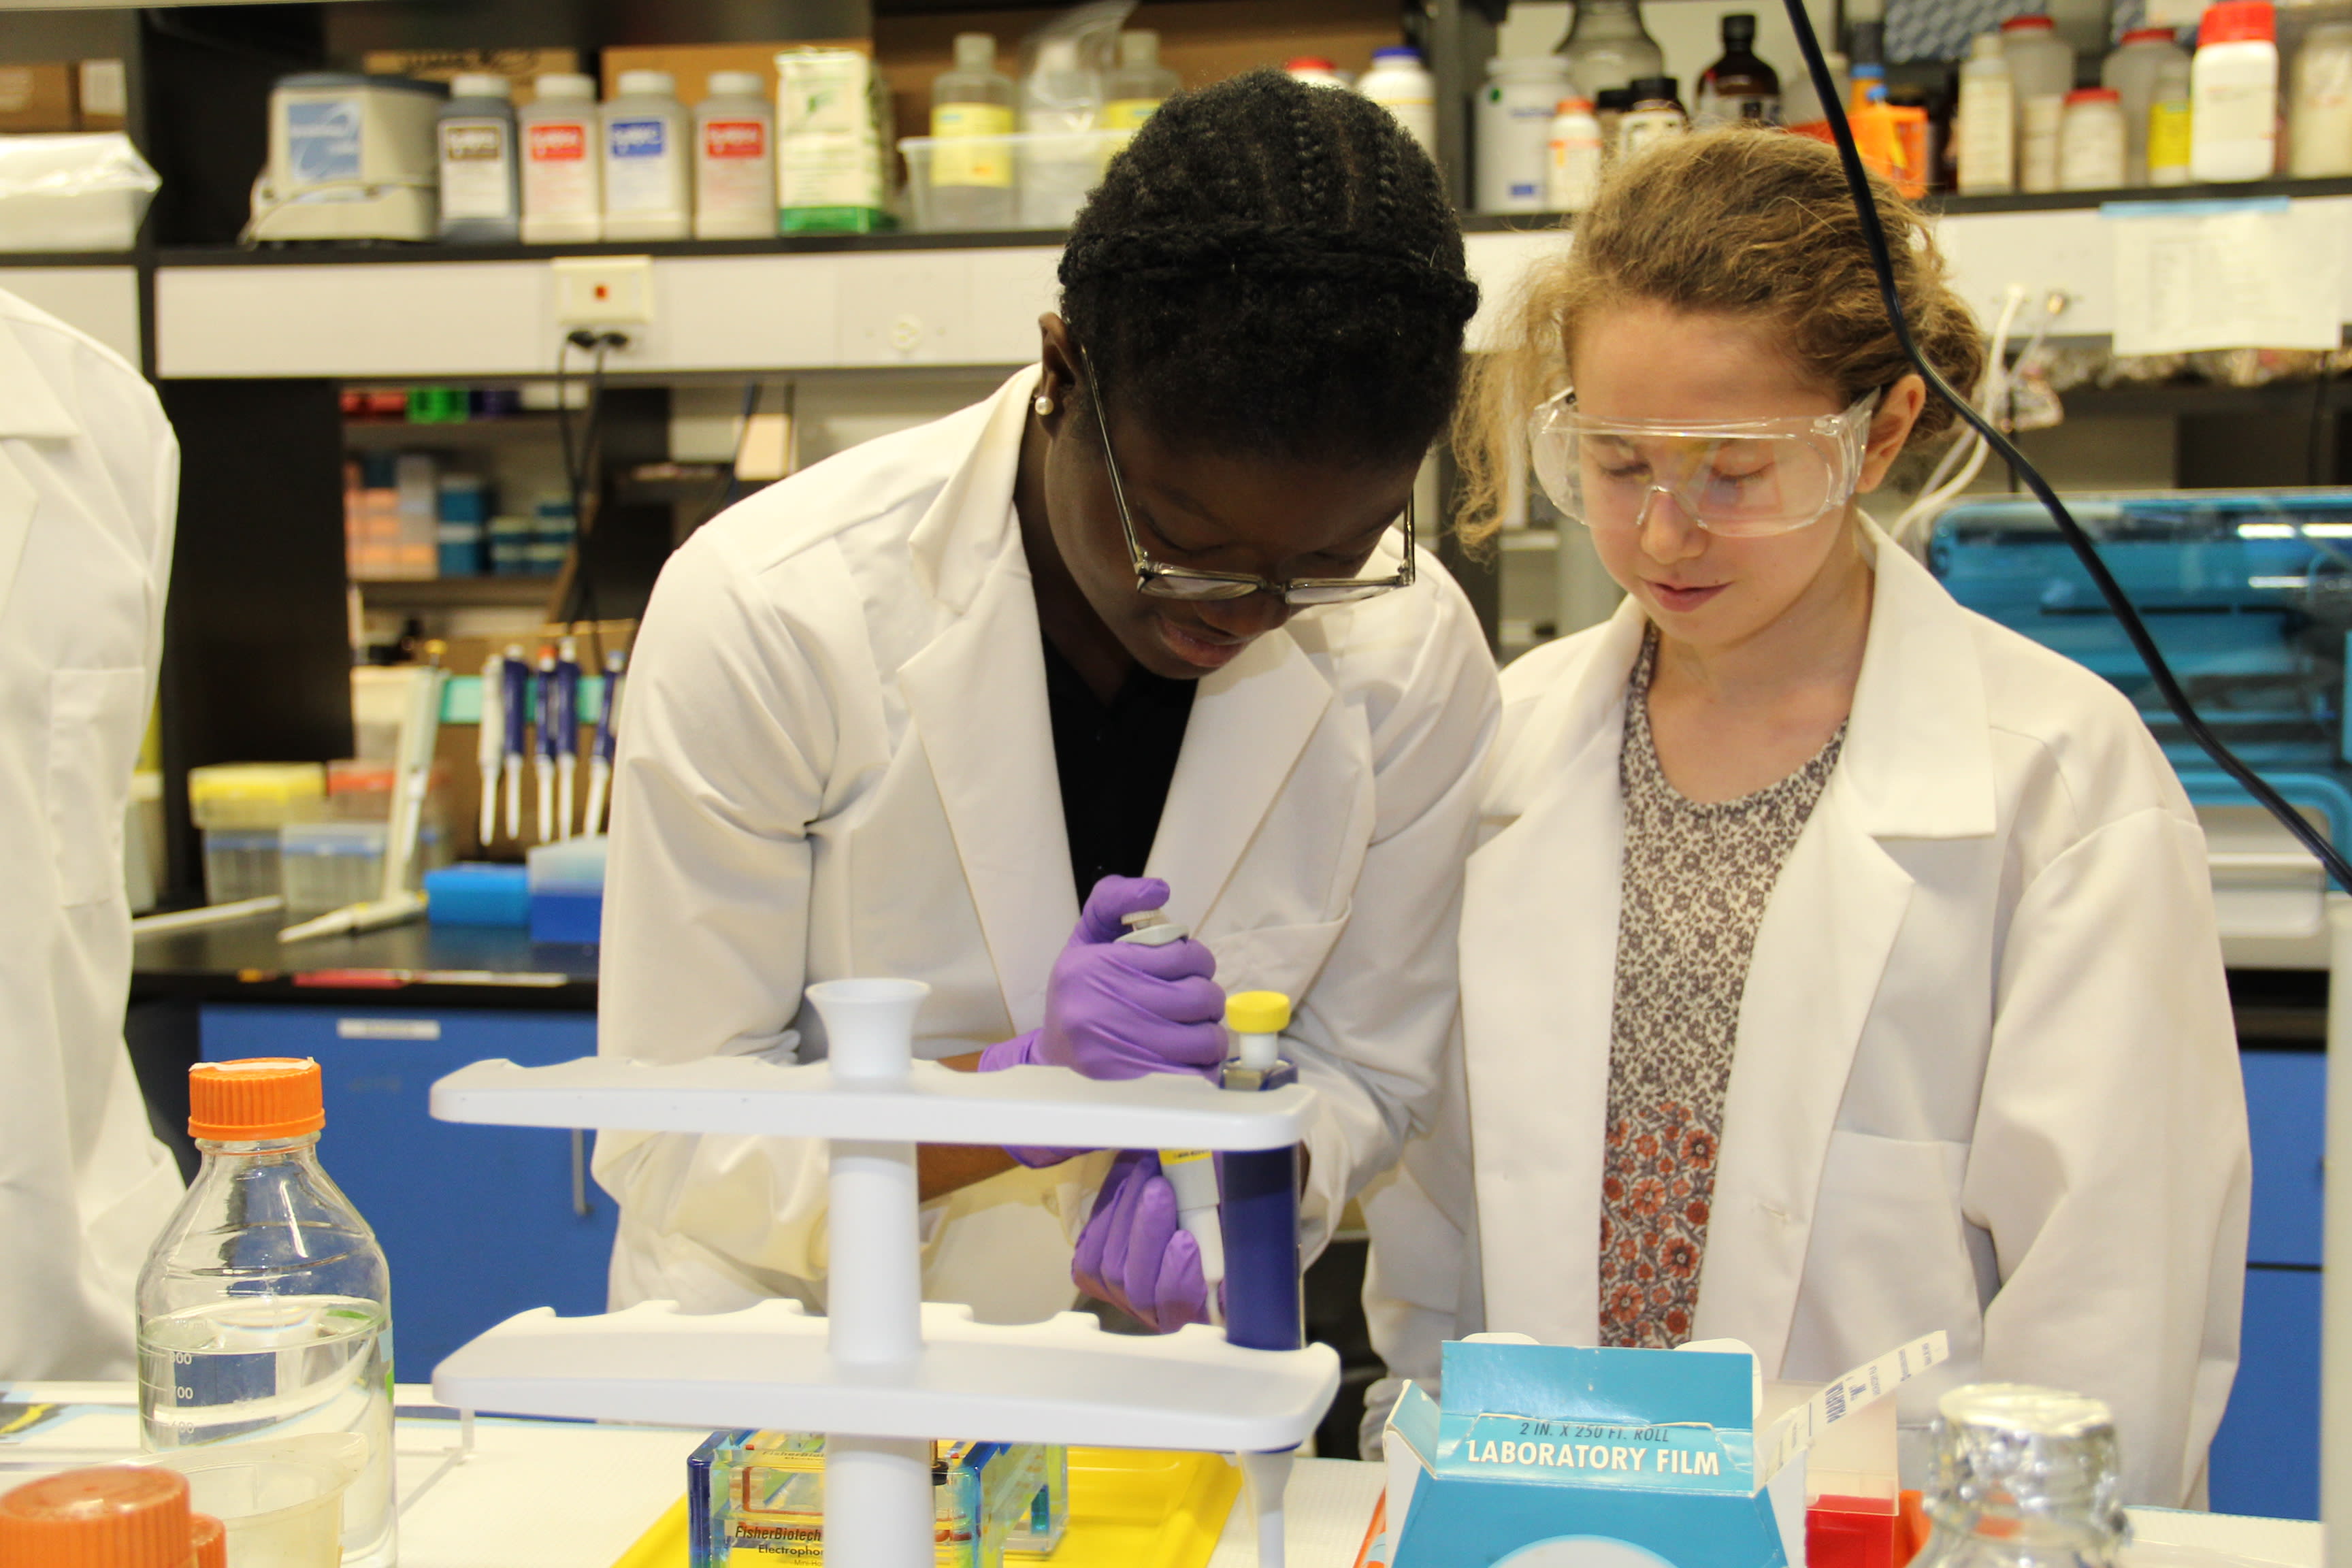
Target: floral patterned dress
(1696,879)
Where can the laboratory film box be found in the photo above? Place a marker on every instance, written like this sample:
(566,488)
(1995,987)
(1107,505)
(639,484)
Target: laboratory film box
(1558,1456)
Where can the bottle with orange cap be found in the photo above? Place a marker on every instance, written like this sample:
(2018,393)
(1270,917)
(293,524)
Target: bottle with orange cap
(119,1516)
(265,1307)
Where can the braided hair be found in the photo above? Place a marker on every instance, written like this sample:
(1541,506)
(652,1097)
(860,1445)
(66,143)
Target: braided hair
(1273,267)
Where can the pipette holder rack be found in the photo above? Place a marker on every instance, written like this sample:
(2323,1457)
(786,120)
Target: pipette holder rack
(885,1372)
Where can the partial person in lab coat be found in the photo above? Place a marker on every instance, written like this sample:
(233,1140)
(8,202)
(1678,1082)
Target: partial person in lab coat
(89,494)
(1151,611)
(1837,966)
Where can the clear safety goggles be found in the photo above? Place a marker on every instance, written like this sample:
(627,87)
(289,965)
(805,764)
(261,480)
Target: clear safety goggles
(1741,480)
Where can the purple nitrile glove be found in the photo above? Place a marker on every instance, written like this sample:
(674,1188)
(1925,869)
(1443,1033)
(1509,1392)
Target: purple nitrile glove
(1116,1010)
(1135,1256)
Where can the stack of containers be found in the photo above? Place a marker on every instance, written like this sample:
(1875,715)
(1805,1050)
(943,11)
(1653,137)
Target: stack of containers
(241,808)
(465,516)
(553,527)
(831,117)
(2041,73)
(567,891)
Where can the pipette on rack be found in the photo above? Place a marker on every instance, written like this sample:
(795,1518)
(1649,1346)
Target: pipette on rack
(566,725)
(514,709)
(491,738)
(600,765)
(543,755)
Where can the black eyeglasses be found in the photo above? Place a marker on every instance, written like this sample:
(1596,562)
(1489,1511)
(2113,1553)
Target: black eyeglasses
(1187,582)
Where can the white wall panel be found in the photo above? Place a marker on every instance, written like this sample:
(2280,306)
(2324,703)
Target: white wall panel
(101,301)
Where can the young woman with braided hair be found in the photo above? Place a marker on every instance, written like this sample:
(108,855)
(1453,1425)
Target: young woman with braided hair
(1837,966)
(1147,627)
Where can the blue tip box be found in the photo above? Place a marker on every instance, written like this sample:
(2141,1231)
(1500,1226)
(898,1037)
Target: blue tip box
(475,893)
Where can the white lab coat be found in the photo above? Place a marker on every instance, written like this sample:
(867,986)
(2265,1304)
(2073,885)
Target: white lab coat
(837,759)
(1986,1079)
(89,486)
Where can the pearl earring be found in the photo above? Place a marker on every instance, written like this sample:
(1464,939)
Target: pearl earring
(1045,404)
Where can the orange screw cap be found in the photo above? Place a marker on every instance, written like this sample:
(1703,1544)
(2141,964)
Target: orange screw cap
(251,1101)
(122,1516)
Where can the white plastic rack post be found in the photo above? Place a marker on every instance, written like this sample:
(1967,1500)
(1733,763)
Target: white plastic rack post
(886,1371)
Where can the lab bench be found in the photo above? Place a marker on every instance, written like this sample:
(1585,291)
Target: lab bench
(478,1223)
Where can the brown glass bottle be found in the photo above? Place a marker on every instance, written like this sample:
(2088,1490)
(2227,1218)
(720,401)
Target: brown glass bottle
(1739,85)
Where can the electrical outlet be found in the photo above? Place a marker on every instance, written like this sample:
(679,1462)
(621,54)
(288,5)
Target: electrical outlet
(604,290)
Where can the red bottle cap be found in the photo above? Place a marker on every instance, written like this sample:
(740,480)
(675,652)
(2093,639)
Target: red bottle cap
(2028,25)
(122,1516)
(1308,63)
(2094,95)
(2238,22)
(2150,36)
(1574,106)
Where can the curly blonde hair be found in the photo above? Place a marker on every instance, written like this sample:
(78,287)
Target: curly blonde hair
(1735,221)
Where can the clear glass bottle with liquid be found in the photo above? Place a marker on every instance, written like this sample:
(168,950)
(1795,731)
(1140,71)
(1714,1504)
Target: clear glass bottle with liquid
(2023,1477)
(265,1307)
(972,115)
(1608,47)
(1136,88)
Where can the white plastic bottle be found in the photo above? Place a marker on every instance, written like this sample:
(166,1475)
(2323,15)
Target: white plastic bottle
(735,159)
(2320,118)
(2171,124)
(1514,131)
(1573,175)
(1988,121)
(1401,84)
(2041,75)
(972,115)
(474,134)
(1137,87)
(2233,89)
(647,184)
(562,175)
(2091,140)
(2131,69)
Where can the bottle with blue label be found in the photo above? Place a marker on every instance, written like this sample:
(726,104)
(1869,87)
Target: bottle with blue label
(648,178)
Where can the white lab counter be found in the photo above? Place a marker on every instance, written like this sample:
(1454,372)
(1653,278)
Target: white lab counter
(545,1494)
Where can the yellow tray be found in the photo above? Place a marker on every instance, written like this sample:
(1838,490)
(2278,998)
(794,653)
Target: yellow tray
(1129,1508)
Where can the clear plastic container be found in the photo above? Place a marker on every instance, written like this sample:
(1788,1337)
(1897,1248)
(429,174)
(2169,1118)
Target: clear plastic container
(240,863)
(970,183)
(937,206)
(324,866)
(265,1307)
(279,1503)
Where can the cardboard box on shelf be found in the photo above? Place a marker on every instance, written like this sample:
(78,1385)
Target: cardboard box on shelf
(518,66)
(104,93)
(691,64)
(1202,41)
(37,97)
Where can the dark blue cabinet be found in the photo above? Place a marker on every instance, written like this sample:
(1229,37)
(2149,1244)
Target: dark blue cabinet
(2265,1457)
(478,1223)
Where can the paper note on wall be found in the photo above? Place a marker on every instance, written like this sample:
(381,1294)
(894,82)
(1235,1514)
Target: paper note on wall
(2263,274)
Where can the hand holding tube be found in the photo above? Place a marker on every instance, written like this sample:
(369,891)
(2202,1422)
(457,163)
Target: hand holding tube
(1134,1254)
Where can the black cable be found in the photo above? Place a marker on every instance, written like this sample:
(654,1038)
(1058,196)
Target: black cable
(1858,181)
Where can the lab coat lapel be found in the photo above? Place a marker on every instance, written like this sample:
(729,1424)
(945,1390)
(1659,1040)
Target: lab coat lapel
(1917,764)
(18,501)
(1250,722)
(977,695)
(1539,962)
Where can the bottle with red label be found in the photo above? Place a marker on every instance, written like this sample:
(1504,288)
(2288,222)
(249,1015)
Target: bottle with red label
(563,186)
(735,159)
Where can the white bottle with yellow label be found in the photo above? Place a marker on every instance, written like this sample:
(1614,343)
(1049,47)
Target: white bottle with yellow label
(972,120)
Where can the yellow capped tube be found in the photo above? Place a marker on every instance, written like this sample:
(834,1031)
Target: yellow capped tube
(1257,1019)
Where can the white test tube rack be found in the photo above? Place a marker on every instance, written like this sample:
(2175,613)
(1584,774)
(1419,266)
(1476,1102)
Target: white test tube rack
(886,1371)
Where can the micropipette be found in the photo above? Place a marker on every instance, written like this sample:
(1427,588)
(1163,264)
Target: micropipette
(491,737)
(600,765)
(514,710)
(566,725)
(543,755)
(1192,1173)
